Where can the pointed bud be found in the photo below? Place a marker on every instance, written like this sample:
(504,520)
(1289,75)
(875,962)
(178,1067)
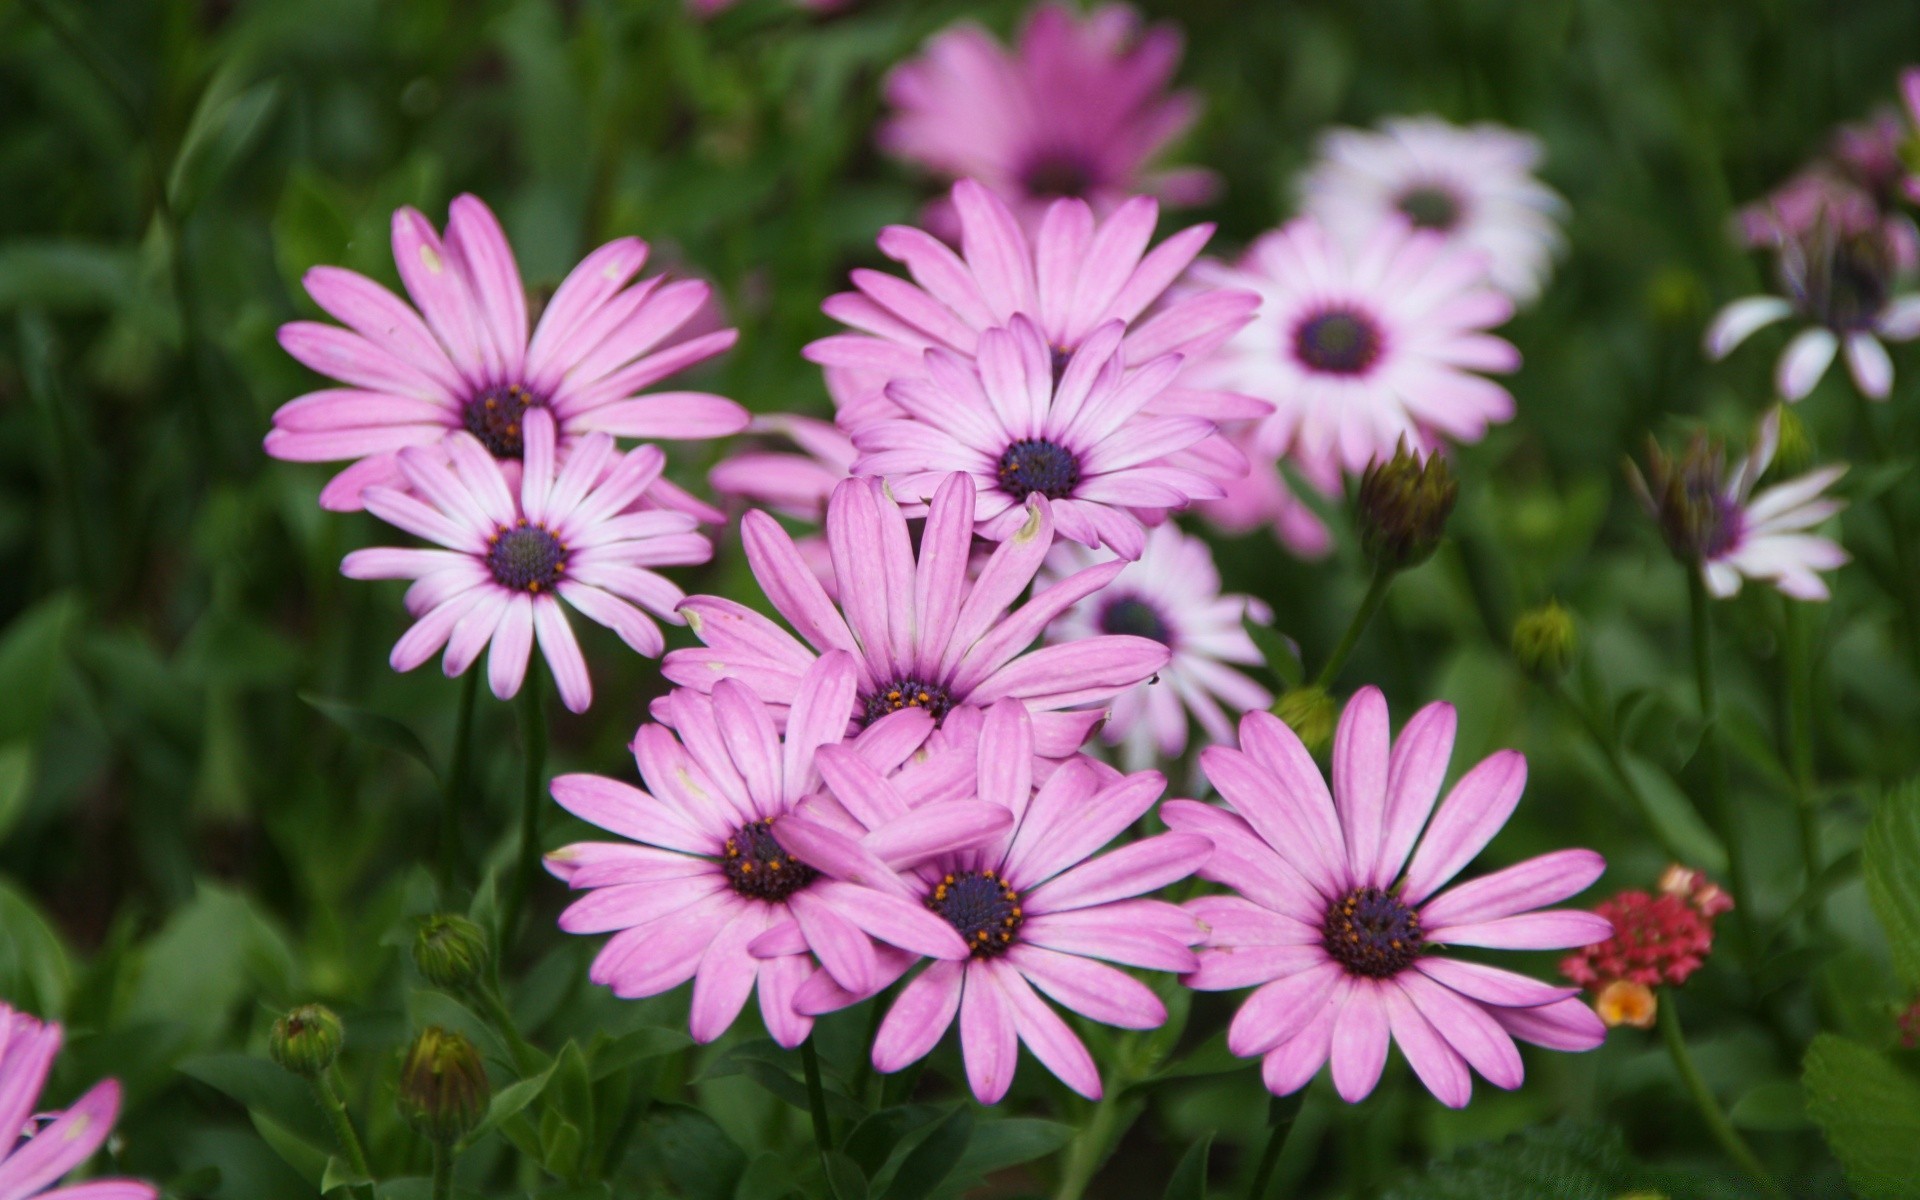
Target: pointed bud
(1685,496)
(1311,714)
(450,951)
(1403,506)
(444,1090)
(306,1040)
(1544,641)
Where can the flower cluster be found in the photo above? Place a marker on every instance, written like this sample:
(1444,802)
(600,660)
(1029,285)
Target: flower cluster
(1659,939)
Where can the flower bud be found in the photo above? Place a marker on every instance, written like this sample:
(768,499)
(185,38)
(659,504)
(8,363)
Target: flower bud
(444,1090)
(1544,641)
(1310,713)
(1794,455)
(1624,1003)
(449,951)
(306,1040)
(1403,506)
(1685,496)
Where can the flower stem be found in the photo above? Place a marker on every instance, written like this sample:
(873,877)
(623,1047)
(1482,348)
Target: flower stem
(1369,605)
(533,740)
(1090,1146)
(1720,804)
(442,1172)
(459,772)
(525,1058)
(1703,1099)
(1799,681)
(336,1110)
(816,1100)
(1281,1111)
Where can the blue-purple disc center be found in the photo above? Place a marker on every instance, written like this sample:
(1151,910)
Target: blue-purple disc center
(896,694)
(1431,206)
(760,868)
(1132,615)
(1373,933)
(497,415)
(1338,341)
(526,558)
(1037,465)
(982,909)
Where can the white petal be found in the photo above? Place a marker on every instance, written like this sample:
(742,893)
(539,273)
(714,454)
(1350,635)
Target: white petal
(1869,365)
(1738,321)
(1807,358)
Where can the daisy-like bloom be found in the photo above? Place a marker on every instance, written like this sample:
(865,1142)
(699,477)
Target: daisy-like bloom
(1079,109)
(1712,519)
(1839,277)
(1359,348)
(1082,438)
(460,357)
(1341,915)
(38,1149)
(714,870)
(1472,184)
(1172,595)
(507,561)
(1033,905)
(924,635)
(1073,276)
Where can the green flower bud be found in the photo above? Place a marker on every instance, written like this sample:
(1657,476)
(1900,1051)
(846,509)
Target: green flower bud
(1311,714)
(306,1040)
(450,951)
(1403,506)
(444,1090)
(1795,454)
(1544,640)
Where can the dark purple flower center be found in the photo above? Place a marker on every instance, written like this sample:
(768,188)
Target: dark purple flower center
(981,908)
(1037,465)
(1722,520)
(1372,933)
(1060,173)
(896,694)
(497,416)
(759,868)
(1337,341)
(1132,615)
(526,558)
(1431,206)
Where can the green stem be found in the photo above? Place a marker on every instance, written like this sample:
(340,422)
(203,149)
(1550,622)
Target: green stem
(816,1100)
(1281,1111)
(342,1121)
(442,1171)
(1089,1146)
(1703,1099)
(525,1058)
(533,740)
(1369,605)
(453,803)
(1799,681)
(1610,750)
(1720,804)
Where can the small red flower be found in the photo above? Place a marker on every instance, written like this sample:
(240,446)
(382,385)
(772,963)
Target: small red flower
(1656,939)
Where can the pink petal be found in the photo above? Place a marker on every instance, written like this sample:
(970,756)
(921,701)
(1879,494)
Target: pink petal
(1414,775)
(1567,1025)
(1548,879)
(1549,929)
(1475,810)
(1491,985)
(1044,1033)
(918,1019)
(988,1039)
(893,920)
(1468,1028)
(1090,988)
(1360,1039)
(1360,750)
(1132,870)
(1281,1009)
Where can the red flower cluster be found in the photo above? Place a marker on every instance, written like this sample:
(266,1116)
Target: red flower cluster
(1656,938)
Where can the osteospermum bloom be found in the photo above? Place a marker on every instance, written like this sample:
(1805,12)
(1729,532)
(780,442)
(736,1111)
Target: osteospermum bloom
(1081,437)
(460,357)
(1341,911)
(712,871)
(1072,276)
(1713,520)
(1172,595)
(508,560)
(1472,184)
(38,1150)
(1358,348)
(1078,109)
(924,635)
(1039,912)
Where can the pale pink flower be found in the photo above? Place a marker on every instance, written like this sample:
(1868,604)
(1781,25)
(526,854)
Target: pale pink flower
(1262,499)
(36,1151)
(1359,349)
(1340,907)
(925,635)
(1472,184)
(1079,108)
(1040,914)
(465,360)
(508,560)
(1172,595)
(716,869)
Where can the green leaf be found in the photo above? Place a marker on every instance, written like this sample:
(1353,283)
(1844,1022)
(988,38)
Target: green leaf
(1870,1111)
(225,125)
(64,273)
(339,1175)
(997,1145)
(768,1177)
(844,1177)
(1676,822)
(32,650)
(300,1154)
(695,1154)
(1772,1105)
(16,780)
(1567,1162)
(1210,1057)
(1892,858)
(34,969)
(623,1052)
(510,1100)
(929,1164)
(377,728)
(265,1089)
(874,1139)
(208,958)
(1189,1181)
(1281,657)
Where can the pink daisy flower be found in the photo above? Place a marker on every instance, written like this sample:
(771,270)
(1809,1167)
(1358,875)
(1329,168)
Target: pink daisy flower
(464,359)
(54,1143)
(1079,108)
(508,560)
(923,634)
(1472,184)
(1040,914)
(1358,349)
(1082,438)
(1171,594)
(1075,275)
(1338,931)
(716,868)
